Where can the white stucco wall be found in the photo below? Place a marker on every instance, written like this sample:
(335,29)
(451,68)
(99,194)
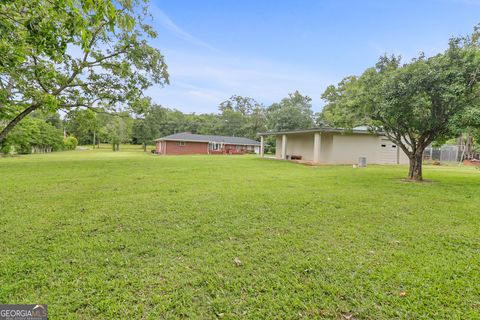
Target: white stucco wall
(300,144)
(343,148)
(348,148)
(403,158)
(326,147)
(278,147)
(297,144)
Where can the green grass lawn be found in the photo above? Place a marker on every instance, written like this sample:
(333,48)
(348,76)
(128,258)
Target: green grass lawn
(128,235)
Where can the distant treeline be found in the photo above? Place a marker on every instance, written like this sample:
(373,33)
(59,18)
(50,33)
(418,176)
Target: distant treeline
(238,116)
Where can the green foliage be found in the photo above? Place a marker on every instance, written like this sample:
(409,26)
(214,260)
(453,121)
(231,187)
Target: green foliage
(83,124)
(240,116)
(151,127)
(342,109)
(293,112)
(232,123)
(243,105)
(77,53)
(119,130)
(5,148)
(270,144)
(70,143)
(34,134)
(162,233)
(415,103)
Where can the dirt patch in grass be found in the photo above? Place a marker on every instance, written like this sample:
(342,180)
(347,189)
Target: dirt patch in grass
(426,181)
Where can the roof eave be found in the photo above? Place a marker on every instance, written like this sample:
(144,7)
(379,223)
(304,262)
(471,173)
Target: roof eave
(313,130)
(207,141)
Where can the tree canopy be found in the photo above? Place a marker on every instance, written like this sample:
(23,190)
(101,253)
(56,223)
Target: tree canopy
(63,54)
(293,112)
(412,103)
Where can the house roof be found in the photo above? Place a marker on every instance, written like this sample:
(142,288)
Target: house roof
(186,136)
(359,130)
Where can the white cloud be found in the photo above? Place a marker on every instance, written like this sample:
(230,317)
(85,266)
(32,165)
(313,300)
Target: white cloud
(162,18)
(200,82)
(203,77)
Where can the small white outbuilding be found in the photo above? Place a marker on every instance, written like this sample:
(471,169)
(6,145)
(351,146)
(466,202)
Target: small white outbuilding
(328,145)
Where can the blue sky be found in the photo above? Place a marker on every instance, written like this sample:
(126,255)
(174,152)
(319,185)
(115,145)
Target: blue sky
(266,49)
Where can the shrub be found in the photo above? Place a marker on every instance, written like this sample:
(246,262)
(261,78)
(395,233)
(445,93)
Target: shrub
(5,148)
(70,143)
(23,148)
(35,135)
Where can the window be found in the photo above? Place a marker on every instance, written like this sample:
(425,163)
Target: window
(214,146)
(181,143)
(394,146)
(384,145)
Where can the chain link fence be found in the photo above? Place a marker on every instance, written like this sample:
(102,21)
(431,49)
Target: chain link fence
(446,153)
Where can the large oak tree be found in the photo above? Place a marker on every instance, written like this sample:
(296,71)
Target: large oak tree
(63,54)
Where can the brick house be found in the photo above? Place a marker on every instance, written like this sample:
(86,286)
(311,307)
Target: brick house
(188,143)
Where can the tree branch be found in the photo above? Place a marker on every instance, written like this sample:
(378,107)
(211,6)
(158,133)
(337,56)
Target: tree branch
(35,62)
(98,61)
(16,120)
(83,61)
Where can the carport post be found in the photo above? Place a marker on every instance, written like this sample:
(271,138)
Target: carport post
(284,146)
(316,147)
(262,145)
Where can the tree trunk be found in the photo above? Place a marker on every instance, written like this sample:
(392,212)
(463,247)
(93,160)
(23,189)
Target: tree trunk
(93,139)
(15,121)
(144,147)
(415,171)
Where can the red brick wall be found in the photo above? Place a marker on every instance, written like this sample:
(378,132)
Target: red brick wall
(172,147)
(190,148)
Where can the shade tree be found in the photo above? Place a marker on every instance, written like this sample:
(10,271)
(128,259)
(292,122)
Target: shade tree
(64,54)
(413,103)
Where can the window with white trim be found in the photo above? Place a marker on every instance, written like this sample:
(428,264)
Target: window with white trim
(214,146)
(181,143)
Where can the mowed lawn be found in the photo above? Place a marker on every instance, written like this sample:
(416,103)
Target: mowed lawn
(128,235)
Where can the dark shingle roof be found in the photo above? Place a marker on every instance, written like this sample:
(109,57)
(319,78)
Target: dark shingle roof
(185,136)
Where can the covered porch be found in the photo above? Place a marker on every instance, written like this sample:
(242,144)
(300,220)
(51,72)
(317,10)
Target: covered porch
(307,146)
